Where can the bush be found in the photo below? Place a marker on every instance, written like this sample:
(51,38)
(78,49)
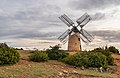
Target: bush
(38,56)
(107,53)
(91,59)
(55,54)
(76,60)
(113,49)
(19,48)
(99,57)
(110,60)
(8,55)
(96,59)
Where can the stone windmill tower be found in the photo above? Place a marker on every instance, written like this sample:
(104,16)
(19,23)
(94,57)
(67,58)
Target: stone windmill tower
(75,35)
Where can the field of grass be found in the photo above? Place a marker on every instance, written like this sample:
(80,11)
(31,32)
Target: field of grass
(51,69)
(27,70)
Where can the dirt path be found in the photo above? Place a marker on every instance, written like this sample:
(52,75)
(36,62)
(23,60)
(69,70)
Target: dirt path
(117,62)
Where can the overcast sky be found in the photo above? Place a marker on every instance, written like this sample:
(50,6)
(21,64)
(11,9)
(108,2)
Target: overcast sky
(35,23)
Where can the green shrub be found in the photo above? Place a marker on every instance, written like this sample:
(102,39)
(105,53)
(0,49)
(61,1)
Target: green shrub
(107,53)
(8,55)
(110,60)
(38,56)
(55,54)
(113,49)
(90,59)
(96,59)
(99,57)
(76,60)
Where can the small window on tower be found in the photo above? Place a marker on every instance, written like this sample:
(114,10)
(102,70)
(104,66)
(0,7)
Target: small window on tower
(79,39)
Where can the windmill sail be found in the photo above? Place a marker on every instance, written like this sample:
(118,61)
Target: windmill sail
(82,18)
(62,19)
(86,35)
(84,39)
(64,35)
(66,20)
(85,21)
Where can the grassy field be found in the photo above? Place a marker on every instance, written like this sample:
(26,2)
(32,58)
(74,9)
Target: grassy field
(51,69)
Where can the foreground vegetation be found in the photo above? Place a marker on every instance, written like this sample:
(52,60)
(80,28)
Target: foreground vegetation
(90,59)
(99,57)
(38,56)
(8,55)
(51,63)
(50,69)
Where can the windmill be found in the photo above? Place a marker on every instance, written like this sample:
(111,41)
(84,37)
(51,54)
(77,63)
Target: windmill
(75,35)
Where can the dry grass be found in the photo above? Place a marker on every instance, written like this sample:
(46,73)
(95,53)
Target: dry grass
(116,56)
(25,69)
(101,74)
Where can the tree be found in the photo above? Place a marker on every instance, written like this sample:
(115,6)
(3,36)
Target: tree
(113,49)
